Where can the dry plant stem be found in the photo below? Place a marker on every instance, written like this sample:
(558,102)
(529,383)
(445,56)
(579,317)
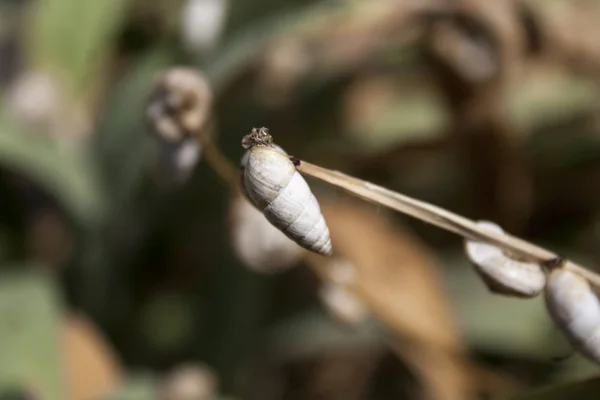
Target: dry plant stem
(439,217)
(217,160)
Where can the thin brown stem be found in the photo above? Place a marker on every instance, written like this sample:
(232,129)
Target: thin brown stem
(440,217)
(216,160)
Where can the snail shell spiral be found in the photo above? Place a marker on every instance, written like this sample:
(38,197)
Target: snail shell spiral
(501,273)
(575,309)
(273,185)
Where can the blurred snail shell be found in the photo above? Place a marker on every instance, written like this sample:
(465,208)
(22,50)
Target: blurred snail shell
(501,273)
(259,245)
(575,309)
(343,304)
(273,185)
(189,382)
(177,160)
(180,104)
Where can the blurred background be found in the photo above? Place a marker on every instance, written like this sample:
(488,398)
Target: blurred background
(128,275)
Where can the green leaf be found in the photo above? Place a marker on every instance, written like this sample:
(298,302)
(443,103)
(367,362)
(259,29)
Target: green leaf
(313,332)
(138,386)
(70,178)
(30,333)
(121,144)
(71,38)
(585,390)
(501,324)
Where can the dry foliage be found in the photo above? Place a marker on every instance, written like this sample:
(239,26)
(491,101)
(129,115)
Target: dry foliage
(399,280)
(92,365)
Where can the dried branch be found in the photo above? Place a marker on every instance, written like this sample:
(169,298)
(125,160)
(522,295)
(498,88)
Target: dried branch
(444,219)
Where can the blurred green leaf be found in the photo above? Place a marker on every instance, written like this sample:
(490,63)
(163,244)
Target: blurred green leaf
(138,386)
(30,323)
(71,178)
(121,144)
(586,390)
(546,99)
(71,38)
(501,324)
(314,332)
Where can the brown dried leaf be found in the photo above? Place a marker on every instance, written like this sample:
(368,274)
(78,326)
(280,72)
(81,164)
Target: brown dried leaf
(398,279)
(92,366)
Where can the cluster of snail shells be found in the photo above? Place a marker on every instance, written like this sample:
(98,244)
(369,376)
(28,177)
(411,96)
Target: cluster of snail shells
(570,301)
(272,184)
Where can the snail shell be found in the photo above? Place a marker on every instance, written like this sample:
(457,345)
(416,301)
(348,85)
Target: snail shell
(273,185)
(501,273)
(180,104)
(177,160)
(189,381)
(261,246)
(343,304)
(575,309)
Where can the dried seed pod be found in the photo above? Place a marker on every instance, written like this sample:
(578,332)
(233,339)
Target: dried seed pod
(261,246)
(575,309)
(180,104)
(501,273)
(273,185)
(343,304)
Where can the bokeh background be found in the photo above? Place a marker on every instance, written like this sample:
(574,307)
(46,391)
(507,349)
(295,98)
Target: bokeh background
(119,280)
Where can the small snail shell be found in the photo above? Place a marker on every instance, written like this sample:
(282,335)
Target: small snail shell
(189,381)
(259,245)
(502,274)
(575,309)
(179,104)
(273,185)
(343,304)
(177,160)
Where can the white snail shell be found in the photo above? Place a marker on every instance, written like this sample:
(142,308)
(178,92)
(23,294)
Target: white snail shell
(273,185)
(501,273)
(177,160)
(180,104)
(258,244)
(575,309)
(343,304)
(189,381)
